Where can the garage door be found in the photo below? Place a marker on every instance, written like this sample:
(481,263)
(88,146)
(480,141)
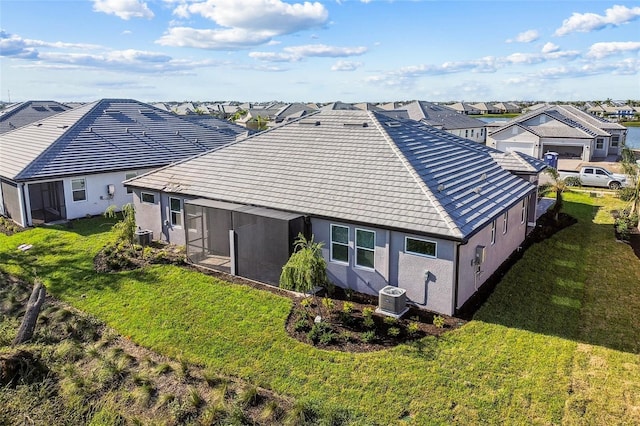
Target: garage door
(524,147)
(565,151)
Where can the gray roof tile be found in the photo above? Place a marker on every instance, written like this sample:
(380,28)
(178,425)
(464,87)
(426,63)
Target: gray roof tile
(103,136)
(401,175)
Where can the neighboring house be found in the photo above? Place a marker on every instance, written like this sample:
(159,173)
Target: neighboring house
(506,108)
(214,123)
(485,108)
(564,129)
(443,117)
(464,108)
(21,114)
(291,111)
(72,164)
(395,202)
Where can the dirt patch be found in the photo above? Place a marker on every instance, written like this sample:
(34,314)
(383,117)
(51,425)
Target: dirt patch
(9,227)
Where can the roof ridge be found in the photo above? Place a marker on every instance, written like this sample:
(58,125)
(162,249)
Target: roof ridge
(421,184)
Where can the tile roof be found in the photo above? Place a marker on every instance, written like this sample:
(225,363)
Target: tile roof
(567,122)
(24,113)
(106,135)
(356,166)
(440,116)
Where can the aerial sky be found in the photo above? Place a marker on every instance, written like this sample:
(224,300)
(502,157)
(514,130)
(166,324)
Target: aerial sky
(319,51)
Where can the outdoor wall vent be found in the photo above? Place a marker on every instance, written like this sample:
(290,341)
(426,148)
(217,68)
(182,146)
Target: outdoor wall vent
(392,301)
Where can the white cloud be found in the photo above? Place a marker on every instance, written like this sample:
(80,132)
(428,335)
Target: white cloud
(236,38)
(243,23)
(550,47)
(586,22)
(346,66)
(604,49)
(60,55)
(297,53)
(124,9)
(525,37)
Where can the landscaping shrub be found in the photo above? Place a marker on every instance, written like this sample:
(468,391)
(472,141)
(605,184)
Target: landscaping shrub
(438,321)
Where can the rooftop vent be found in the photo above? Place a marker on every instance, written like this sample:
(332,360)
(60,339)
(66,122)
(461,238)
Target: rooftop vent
(309,123)
(364,124)
(392,301)
(111,111)
(393,124)
(441,187)
(35,124)
(62,126)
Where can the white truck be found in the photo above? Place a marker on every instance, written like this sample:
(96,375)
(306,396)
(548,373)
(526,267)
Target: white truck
(596,176)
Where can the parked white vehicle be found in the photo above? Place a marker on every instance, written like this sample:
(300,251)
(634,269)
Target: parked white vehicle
(596,176)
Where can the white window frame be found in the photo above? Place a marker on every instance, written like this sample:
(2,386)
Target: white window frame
(128,176)
(179,212)
(84,189)
(344,262)
(435,250)
(373,250)
(601,142)
(142,194)
(493,232)
(615,141)
(524,211)
(505,222)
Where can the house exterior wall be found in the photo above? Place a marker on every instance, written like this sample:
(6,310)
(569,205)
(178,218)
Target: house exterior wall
(393,266)
(148,215)
(495,254)
(477,134)
(97,198)
(428,281)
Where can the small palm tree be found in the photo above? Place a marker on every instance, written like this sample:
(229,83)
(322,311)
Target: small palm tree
(557,185)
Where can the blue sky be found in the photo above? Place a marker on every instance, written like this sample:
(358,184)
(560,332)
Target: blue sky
(352,51)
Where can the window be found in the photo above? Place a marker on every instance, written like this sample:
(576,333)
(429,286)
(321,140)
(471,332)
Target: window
(340,243)
(148,197)
(175,210)
(600,172)
(471,132)
(420,247)
(524,211)
(365,248)
(599,143)
(79,189)
(493,232)
(466,133)
(505,222)
(128,176)
(615,140)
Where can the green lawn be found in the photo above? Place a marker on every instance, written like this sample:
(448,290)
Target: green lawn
(558,341)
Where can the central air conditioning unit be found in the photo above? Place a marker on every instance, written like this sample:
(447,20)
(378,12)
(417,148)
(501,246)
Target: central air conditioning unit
(392,301)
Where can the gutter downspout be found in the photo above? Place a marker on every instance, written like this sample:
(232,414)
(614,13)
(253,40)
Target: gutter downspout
(26,220)
(456,279)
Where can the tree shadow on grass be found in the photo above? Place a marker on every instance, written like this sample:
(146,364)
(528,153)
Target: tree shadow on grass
(580,285)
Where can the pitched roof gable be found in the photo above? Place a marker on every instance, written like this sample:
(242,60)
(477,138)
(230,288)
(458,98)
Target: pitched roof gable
(107,135)
(355,166)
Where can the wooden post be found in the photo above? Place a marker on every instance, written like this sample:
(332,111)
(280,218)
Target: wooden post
(25,332)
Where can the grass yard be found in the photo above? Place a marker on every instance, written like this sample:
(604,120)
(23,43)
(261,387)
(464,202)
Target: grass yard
(557,342)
